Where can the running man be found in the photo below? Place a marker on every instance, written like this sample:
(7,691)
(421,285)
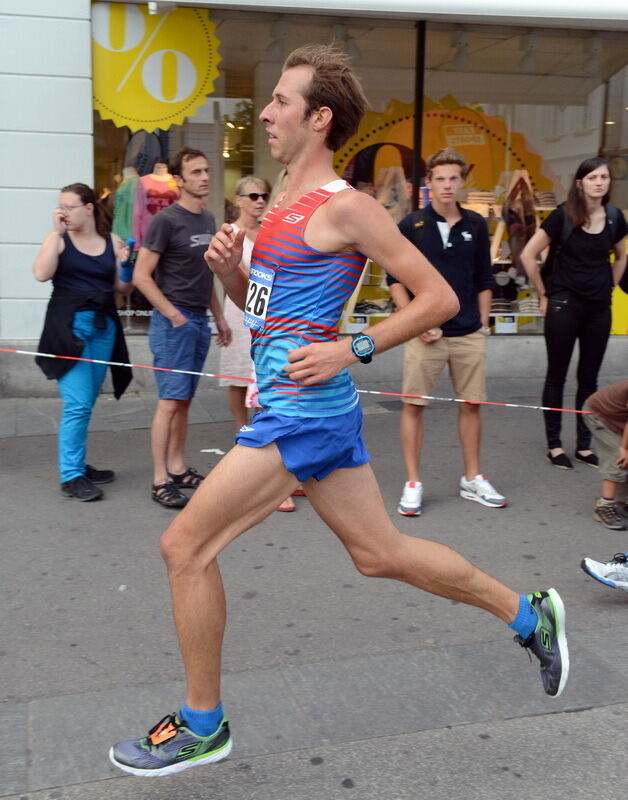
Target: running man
(307,259)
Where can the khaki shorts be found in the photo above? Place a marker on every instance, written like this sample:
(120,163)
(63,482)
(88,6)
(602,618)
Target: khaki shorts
(423,364)
(606,443)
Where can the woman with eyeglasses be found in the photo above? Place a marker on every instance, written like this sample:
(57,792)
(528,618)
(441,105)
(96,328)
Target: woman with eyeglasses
(84,261)
(574,289)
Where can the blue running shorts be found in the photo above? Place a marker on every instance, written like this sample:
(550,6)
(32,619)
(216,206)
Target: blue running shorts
(309,446)
(184,347)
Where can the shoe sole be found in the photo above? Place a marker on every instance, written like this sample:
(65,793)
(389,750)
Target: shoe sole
(582,461)
(559,622)
(600,579)
(408,512)
(470,496)
(558,466)
(83,499)
(608,527)
(173,769)
(101,483)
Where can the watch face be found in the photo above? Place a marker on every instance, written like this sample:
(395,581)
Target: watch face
(363,346)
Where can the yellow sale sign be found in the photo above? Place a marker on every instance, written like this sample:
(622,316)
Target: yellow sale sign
(151,71)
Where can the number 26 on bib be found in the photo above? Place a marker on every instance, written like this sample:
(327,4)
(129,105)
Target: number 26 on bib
(257,297)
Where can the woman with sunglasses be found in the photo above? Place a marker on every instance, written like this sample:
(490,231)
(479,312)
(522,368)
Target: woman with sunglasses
(84,262)
(251,198)
(575,296)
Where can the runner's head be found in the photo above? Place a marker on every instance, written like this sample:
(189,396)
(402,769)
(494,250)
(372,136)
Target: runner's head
(333,85)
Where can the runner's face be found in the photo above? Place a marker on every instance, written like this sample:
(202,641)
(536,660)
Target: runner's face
(284,117)
(445,182)
(597,183)
(195,178)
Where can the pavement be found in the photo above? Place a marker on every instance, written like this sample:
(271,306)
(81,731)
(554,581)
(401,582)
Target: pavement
(337,685)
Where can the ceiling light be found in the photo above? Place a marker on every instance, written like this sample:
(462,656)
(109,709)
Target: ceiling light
(593,46)
(609,122)
(529,43)
(226,154)
(229,124)
(459,41)
(160,7)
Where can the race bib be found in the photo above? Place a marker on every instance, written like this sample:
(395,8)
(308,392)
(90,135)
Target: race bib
(257,297)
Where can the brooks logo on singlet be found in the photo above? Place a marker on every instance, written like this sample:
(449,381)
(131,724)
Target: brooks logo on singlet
(309,291)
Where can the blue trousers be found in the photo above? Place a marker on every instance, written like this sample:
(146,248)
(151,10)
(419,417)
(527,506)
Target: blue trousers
(79,389)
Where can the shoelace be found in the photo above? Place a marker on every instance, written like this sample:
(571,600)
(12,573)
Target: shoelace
(165,729)
(619,558)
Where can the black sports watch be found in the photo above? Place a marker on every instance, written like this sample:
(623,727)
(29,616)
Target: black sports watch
(362,347)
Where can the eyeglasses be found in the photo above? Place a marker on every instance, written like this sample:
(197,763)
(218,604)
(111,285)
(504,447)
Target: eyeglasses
(256,195)
(69,208)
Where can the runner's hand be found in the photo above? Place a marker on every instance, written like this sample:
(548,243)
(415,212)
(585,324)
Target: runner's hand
(225,251)
(318,362)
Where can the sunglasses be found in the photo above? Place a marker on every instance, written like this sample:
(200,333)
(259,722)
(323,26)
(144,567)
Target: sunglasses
(256,195)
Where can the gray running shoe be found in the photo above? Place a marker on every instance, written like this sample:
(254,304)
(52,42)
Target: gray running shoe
(170,747)
(411,499)
(548,641)
(613,573)
(482,491)
(606,513)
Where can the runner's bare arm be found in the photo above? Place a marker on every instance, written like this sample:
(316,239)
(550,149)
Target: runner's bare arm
(359,223)
(223,257)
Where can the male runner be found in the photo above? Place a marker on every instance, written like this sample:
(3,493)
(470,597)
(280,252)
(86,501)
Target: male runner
(306,261)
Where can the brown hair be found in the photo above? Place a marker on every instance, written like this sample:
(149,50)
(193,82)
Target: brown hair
(576,203)
(102,219)
(185,154)
(333,84)
(446,156)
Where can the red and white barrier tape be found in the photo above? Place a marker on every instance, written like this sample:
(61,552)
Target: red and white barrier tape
(239,378)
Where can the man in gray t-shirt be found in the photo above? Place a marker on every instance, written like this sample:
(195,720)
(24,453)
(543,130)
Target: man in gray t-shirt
(172,274)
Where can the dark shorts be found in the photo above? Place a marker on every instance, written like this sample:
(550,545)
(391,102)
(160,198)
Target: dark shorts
(310,447)
(184,347)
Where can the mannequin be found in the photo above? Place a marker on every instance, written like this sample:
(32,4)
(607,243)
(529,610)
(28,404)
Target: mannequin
(154,192)
(123,201)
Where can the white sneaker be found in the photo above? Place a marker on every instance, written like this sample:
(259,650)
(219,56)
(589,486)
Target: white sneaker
(613,573)
(410,502)
(480,490)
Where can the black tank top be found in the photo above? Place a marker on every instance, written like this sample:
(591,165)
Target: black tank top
(82,273)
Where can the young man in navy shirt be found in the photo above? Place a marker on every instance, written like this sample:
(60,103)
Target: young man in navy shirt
(456,242)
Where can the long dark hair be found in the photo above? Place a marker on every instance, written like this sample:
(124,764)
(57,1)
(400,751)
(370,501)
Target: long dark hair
(87,195)
(576,203)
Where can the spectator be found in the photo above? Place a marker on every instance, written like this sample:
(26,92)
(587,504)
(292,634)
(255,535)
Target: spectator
(574,289)
(456,242)
(83,259)
(173,276)
(608,423)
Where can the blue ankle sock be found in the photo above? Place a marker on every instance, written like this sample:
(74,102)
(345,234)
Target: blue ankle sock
(202,723)
(526,620)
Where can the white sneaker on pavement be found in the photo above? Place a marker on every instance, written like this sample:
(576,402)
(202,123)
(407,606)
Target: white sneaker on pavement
(613,573)
(410,502)
(480,490)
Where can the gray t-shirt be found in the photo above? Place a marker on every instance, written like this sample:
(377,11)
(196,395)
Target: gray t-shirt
(182,238)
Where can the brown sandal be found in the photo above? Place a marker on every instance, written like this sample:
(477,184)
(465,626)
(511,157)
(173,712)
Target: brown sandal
(190,479)
(166,494)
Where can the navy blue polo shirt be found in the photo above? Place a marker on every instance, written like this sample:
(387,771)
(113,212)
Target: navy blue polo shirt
(464,261)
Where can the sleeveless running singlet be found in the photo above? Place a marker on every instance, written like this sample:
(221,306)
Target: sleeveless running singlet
(302,292)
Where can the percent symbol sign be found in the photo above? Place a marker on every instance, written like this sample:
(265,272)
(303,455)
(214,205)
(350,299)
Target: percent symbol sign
(151,72)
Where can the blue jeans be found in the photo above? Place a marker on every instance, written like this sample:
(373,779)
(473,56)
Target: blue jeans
(79,389)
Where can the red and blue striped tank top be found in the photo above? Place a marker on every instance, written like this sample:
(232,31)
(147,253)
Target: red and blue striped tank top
(309,290)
